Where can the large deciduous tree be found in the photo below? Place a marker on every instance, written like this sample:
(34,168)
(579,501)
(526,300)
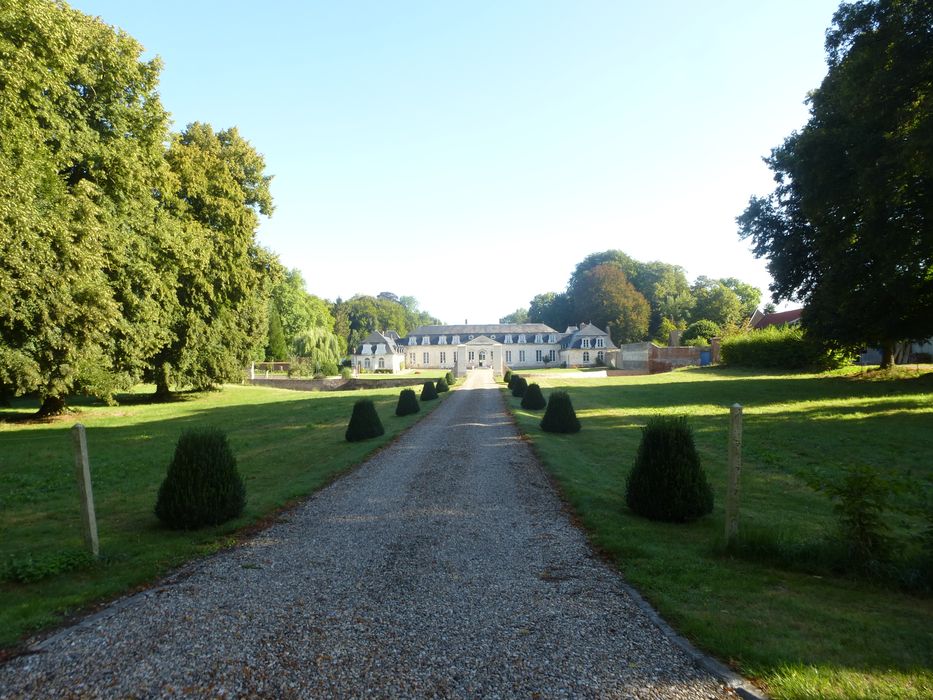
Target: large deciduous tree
(604,296)
(223,277)
(848,228)
(716,302)
(81,131)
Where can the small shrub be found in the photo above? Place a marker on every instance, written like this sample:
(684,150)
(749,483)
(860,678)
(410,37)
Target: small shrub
(449,378)
(407,403)
(861,499)
(364,422)
(512,378)
(345,373)
(533,399)
(441,386)
(202,486)
(507,377)
(428,391)
(560,416)
(29,567)
(328,368)
(667,482)
(519,386)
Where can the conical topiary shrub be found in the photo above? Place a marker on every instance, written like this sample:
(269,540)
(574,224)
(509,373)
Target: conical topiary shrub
(560,416)
(428,391)
(507,378)
(511,382)
(533,399)
(407,403)
(449,378)
(441,385)
(667,482)
(519,386)
(202,486)
(364,422)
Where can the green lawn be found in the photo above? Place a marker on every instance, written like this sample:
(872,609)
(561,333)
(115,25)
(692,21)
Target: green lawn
(802,635)
(287,444)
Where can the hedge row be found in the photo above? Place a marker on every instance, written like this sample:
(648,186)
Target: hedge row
(779,347)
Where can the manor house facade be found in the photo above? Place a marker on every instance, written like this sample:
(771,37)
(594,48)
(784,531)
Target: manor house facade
(499,346)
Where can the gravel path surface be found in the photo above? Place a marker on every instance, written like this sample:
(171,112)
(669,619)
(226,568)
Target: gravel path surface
(444,566)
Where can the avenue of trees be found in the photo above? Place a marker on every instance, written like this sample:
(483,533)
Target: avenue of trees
(637,301)
(847,230)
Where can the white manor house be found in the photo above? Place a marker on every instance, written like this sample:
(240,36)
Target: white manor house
(500,346)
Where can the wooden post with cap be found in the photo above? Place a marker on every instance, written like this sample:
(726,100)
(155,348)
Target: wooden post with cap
(735,471)
(83,473)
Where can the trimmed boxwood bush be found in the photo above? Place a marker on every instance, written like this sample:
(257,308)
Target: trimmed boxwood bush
(364,422)
(560,416)
(202,486)
(428,391)
(667,482)
(519,386)
(441,386)
(449,378)
(507,378)
(533,399)
(407,403)
(780,347)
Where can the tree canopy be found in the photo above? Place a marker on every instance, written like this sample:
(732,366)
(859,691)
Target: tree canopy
(847,230)
(604,296)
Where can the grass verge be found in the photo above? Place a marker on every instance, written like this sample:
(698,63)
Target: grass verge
(287,444)
(800,635)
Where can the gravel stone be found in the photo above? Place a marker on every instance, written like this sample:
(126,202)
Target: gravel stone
(445,566)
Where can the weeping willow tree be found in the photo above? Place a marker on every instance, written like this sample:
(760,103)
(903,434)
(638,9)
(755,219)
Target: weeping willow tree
(319,349)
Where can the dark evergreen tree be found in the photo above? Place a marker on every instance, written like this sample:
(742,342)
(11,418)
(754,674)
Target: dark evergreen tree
(560,416)
(667,482)
(533,399)
(507,378)
(519,386)
(428,391)
(407,403)
(441,386)
(276,347)
(202,486)
(364,423)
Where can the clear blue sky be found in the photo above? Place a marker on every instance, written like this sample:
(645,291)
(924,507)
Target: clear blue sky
(470,154)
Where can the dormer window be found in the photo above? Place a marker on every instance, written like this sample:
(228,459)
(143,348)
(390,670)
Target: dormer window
(455,340)
(600,342)
(425,340)
(521,339)
(585,343)
(442,340)
(470,337)
(508,339)
(539,339)
(552,338)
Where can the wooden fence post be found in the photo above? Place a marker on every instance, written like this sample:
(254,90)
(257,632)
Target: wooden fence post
(735,471)
(83,473)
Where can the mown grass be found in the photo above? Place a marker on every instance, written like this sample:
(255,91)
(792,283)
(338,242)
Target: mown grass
(801,635)
(287,444)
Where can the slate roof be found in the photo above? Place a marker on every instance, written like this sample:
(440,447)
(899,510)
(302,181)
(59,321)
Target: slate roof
(377,338)
(489,329)
(587,330)
(498,332)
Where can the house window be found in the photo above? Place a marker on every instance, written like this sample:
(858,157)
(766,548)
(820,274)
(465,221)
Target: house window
(427,358)
(539,338)
(442,340)
(600,343)
(508,340)
(538,356)
(508,354)
(470,337)
(443,358)
(411,357)
(471,356)
(521,339)
(425,340)
(455,340)
(586,357)
(553,354)
(366,363)
(521,355)
(585,343)
(482,355)
(382,363)
(600,358)
(552,338)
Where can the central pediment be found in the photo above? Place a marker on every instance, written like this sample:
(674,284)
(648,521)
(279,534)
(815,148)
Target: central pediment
(482,340)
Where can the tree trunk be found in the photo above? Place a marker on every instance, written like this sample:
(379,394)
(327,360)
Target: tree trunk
(887,354)
(163,390)
(51,406)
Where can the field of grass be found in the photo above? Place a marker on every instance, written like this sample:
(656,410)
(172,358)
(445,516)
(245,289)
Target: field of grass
(800,634)
(287,445)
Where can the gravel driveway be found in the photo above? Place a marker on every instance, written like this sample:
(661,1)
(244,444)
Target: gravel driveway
(444,566)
